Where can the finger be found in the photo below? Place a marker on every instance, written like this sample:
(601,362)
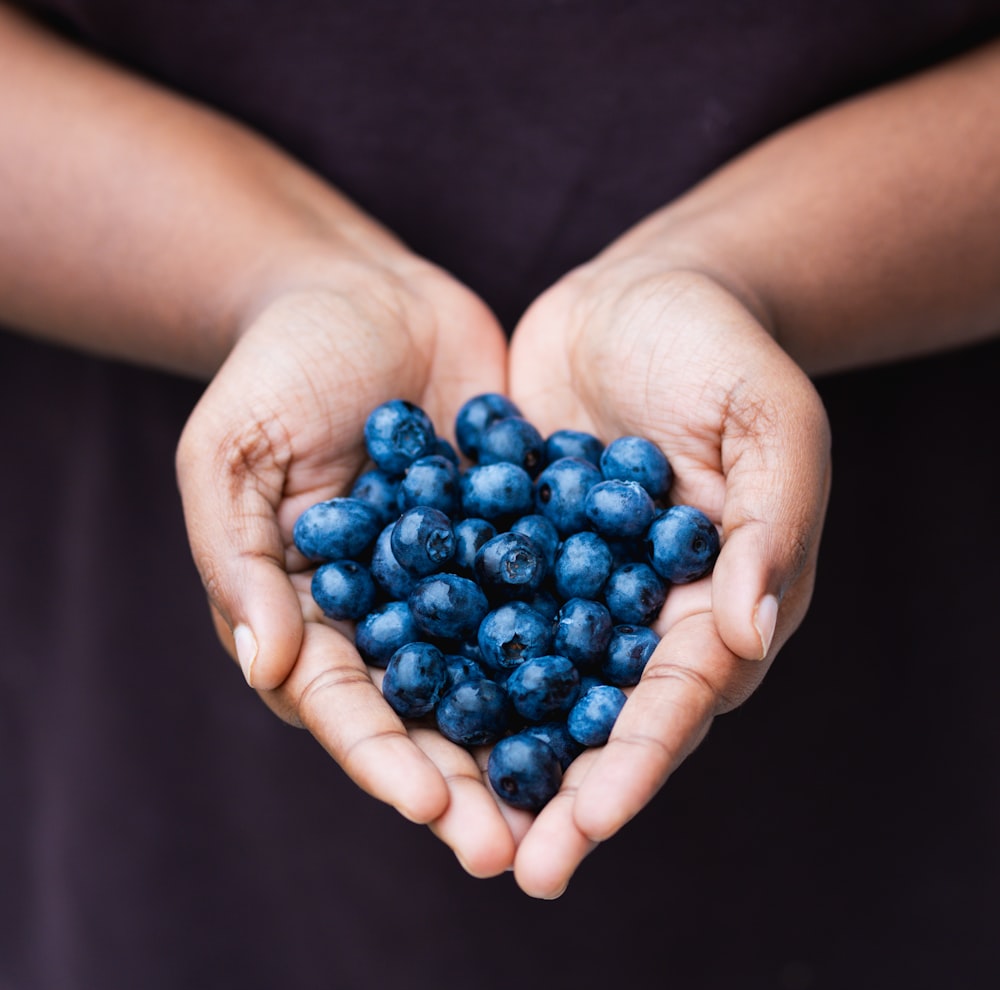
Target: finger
(473,826)
(454,378)
(554,846)
(777,468)
(690,677)
(330,693)
(230,490)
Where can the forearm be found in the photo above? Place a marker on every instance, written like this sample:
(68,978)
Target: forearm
(138,224)
(868,232)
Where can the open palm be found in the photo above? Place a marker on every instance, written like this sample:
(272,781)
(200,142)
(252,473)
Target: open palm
(676,358)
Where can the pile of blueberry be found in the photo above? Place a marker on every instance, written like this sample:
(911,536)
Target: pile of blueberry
(509,600)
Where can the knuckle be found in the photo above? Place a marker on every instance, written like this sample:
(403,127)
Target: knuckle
(699,697)
(326,690)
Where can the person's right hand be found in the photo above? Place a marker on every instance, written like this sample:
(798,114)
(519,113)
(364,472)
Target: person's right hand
(279,428)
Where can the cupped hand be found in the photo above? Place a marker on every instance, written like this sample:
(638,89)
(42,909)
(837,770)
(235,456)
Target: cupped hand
(619,347)
(279,428)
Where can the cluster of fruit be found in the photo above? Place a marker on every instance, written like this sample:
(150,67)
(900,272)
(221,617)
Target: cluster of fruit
(510,600)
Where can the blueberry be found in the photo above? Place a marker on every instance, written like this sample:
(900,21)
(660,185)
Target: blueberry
(516,440)
(476,416)
(497,492)
(383,631)
(583,564)
(635,593)
(444,448)
(433,481)
(415,679)
(542,531)
(573,443)
(513,633)
(582,632)
(474,712)
(592,718)
(629,650)
(638,459)
(627,551)
(510,565)
(524,771)
(380,490)
(422,540)
(556,736)
(337,529)
(543,688)
(390,575)
(470,535)
(546,602)
(561,492)
(343,589)
(462,668)
(448,606)
(397,433)
(682,544)
(619,509)
(469,649)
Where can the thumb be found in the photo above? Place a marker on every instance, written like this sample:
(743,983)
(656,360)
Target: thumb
(230,490)
(777,468)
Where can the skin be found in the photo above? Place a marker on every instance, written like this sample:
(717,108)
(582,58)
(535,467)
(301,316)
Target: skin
(852,237)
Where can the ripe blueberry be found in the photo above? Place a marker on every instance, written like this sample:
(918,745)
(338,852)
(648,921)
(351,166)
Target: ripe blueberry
(343,589)
(561,492)
(635,593)
(380,490)
(383,631)
(337,529)
(510,565)
(396,434)
(633,458)
(476,416)
(543,688)
(542,532)
(556,735)
(470,535)
(474,712)
(430,480)
(448,606)
(415,678)
(592,718)
(619,510)
(524,771)
(583,630)
(583,564)
(422,540)
(390,575)
(629,650)
(573,443)
(682,544)
(514,440)
(513,633)
(497,492)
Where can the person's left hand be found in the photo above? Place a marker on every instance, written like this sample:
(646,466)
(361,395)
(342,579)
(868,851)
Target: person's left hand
(621,347)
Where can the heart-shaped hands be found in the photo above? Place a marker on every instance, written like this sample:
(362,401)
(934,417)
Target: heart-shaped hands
(674,357)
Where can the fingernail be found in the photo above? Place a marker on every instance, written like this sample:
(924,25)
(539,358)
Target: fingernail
(246,650)
(554,897)
(765,619)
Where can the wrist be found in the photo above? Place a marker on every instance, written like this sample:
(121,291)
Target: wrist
(678,247)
